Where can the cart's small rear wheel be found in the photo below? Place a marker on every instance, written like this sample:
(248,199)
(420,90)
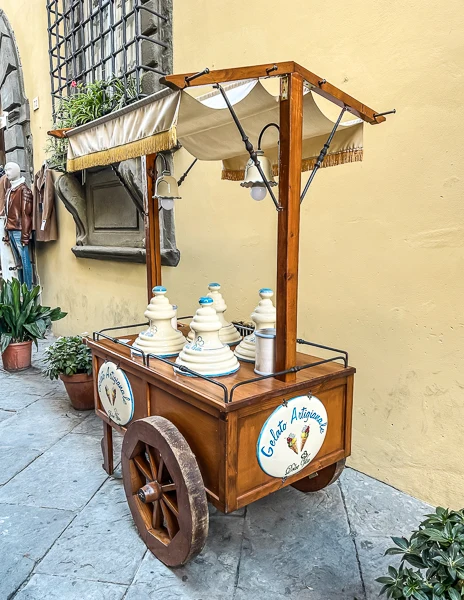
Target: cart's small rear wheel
(321,479)
(165,490)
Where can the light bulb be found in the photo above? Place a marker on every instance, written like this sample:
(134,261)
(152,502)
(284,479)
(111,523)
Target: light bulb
(167,203)
(258,192)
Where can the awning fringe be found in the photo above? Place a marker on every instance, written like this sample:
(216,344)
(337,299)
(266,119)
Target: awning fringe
(307,164)
(161,142)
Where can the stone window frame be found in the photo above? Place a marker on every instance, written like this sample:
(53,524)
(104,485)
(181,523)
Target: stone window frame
(96,39)
(17,135)
(70,37)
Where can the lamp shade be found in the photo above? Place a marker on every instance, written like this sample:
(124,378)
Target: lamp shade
(252,176)
(166,187)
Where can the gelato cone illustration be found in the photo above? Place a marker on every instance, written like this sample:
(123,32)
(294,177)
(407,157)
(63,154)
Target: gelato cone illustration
(304,436)
(292,443)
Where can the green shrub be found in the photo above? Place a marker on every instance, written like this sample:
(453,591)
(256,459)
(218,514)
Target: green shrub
(67,356)
(436,554)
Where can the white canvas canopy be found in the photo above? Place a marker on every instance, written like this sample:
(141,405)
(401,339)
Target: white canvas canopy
(205,128)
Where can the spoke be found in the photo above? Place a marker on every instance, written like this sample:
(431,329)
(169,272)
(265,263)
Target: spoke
(143,467)
(169,487)
(156,515)
(170,522)
(160,470)
(171,504)
(152,461)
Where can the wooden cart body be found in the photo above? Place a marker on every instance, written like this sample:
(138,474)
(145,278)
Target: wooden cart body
(218,424)
(223,435)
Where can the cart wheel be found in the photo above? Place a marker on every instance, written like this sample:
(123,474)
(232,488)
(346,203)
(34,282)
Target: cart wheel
(165,490)
(321,479)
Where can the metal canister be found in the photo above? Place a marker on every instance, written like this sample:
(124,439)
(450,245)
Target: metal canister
(265,351)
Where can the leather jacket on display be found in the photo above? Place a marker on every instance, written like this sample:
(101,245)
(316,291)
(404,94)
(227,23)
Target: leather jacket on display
(19,211)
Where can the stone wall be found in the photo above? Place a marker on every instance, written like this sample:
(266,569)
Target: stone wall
(17,135)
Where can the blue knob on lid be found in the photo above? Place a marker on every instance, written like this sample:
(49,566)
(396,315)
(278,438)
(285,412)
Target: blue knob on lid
(214,285)
(205,300)
(159,288)
(266,291)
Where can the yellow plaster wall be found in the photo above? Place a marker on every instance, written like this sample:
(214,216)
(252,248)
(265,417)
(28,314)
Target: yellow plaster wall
(94,293)
(382,241)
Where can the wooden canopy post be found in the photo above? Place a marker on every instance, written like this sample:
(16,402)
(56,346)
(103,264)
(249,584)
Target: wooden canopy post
(288,228)
(152,227)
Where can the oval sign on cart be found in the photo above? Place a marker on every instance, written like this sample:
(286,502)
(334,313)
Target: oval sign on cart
(292,436)
(115,393)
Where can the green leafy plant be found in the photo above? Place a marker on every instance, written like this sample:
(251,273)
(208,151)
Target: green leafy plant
(436,554)
(22,317)
(67,356)
(87,102)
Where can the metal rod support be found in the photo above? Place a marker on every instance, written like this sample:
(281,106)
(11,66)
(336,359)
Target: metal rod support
(192,77)
(248,145)
(182,178)
(322,154)
(389,112)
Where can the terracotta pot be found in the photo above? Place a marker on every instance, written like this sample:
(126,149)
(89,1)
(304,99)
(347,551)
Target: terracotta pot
(80,390)
(17,356)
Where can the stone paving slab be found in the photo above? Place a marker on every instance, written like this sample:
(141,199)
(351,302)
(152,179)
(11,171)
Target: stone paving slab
(6,414)
(41,424)
(102,543)
(212,574)
(92,425)
(14,460)
(65,477)
(26,533)
(299,545)
(49,587)
(376,512)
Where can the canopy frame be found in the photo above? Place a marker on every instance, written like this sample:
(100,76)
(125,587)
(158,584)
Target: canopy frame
(294,78)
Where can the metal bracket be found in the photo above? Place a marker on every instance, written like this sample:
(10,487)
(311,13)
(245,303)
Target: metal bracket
(285,403)
(389,112)
(192,77)
(284,88)
(182,178)
(322,153)
(248,145)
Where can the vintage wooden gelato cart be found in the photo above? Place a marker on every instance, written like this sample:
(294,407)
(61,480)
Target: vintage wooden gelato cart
(226,440)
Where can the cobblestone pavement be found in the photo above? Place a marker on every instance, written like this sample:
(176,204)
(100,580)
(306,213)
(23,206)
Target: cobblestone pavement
(66,531)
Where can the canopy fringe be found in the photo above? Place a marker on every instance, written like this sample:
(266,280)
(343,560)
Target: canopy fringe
(307,164)
(161,142)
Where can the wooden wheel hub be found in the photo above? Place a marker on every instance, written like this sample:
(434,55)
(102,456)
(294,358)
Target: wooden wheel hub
(164,490)
(150,492)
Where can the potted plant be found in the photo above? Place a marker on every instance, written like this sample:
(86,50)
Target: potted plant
(23,320)
(436,553)
(71,360)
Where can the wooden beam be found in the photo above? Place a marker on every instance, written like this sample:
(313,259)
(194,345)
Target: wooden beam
(227,75)
(332,93)
(319,85)
(288,227)
(152,227)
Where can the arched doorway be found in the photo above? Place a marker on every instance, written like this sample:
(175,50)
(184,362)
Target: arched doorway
(16,137)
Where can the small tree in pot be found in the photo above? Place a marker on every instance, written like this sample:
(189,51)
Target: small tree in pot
(23,320)
(71,360)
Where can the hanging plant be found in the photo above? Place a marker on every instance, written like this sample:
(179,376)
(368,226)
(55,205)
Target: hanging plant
(87,102)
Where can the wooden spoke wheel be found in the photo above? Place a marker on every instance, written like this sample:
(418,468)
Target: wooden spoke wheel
(165,490)
(321,479)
